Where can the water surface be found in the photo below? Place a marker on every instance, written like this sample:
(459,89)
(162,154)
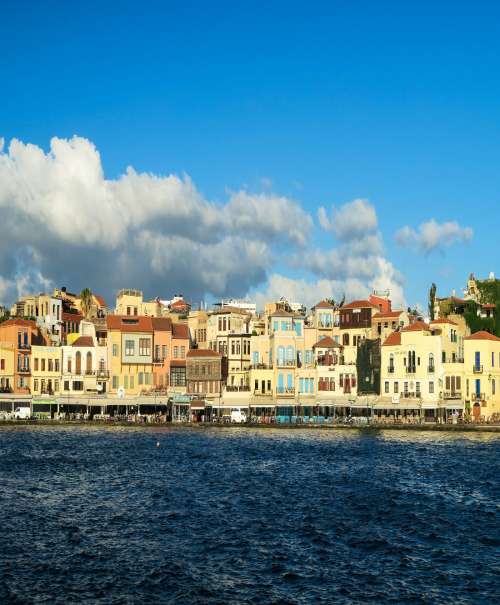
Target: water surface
(236,515)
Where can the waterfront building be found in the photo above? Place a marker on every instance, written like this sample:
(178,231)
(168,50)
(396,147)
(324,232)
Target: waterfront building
(386,322)
(204,374)
(162,351)
(355,325)
(46,370)
(45,310)
(7,367)
(482,375)
(130,354)
(21,334)
(84,364)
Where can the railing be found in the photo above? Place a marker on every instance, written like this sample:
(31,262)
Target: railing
(23,346)
(260,366)
(22,370)
(237,388)
(431,369)
(408,395)
(411,369)
(390,370)
(285,391)
(477,369)
(327,360)
(102,373)
(452,395)
(285,364)
(257,393)
(158,360)
(479,396)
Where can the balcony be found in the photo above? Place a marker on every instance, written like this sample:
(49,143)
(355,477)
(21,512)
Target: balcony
(285,391)
(102,374)
(23,370)
(478,396)
(24,346)
(158,361)
(285,364)
(259,393)
(477,369)
(411,370)
(327,360)
(452,395)
(237,388)
(408,395)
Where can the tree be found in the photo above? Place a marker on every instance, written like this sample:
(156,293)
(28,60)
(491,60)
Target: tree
(432,300)
(86,299)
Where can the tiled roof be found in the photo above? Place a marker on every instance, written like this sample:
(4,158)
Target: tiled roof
(482,335)
(180,331)
(392,339)
(83,341)
(129,323)
(180,304)
(100,300)
(285,314)
(488,306)
(387,314)
(162,324)
(326,343)
(360,304)
(323,304)
(203,353)
(178,363)
(71,316)
(416,326)
(17,321)
(444,320)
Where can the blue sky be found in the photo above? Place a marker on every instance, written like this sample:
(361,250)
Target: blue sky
(329,102)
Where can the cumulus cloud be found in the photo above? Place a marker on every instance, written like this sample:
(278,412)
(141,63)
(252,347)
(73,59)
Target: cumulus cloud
(353,219)
(432,236)
(155,232)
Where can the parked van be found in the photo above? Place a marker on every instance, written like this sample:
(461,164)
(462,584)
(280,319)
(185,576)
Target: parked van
(238,416)
(22,413)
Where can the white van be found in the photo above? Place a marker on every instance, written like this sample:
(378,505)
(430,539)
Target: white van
(22,413)
(238,416)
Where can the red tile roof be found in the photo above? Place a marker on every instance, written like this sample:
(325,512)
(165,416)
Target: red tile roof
(180,304)
(100,300)
(129,323)
(203,353)
(83,341)
(360,304)
(444,320)
(323,304)
(416,326)
(392,339)
(178,363)
(17,321)
(387,314)
(482,335)
(180,331)
(162,324)
(326,343)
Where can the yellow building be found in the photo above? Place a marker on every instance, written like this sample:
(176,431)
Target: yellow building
(46,370)
(7,363)
(482,376)
(130,354)
(131,302)
(197,323)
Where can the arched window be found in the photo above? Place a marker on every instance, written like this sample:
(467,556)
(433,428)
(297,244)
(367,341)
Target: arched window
(78,362)
(281,356)
(88,363)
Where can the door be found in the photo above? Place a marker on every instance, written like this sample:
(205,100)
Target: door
(477,359)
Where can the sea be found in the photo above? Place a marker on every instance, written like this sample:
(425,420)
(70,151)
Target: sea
(110,515)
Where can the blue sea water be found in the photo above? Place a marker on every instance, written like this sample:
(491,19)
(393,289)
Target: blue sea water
(247,516)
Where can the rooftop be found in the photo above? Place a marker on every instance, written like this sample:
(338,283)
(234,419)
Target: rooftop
(482,335)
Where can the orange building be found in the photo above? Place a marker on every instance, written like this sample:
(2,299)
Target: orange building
(21,334)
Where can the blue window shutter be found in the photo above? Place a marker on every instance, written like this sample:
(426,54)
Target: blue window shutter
(255,357)
(280,383)
(289,381)
(478,386)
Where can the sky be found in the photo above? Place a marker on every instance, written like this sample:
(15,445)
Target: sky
(305,150)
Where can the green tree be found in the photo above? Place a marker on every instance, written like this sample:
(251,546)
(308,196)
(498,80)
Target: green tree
(86,299)
(432,300)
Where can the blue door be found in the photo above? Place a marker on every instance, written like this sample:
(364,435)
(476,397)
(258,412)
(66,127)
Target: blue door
(478,386)
(478,359)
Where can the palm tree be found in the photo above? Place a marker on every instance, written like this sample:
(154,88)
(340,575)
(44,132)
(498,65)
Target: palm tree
(86,299)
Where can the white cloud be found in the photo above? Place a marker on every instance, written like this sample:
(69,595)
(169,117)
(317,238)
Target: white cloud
(144,230)
(353,219)
(432,235)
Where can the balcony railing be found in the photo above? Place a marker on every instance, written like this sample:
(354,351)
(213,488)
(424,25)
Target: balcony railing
(477,369)
(237,388)
(23,370)
(102,374)
(282,363)
(411,370)
(158,360)
(285,391)
(452,395)
(24,347)
(479,396)
(258,393)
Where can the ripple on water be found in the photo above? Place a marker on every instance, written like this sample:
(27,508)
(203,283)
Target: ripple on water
(247,516)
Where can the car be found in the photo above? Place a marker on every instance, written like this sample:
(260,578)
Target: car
(238,416)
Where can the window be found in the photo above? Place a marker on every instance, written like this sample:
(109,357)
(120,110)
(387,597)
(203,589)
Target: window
(144,346)
(69,366)
(492,359)
(148,378)
(129,347)
(275,326)
(164,351)
(56,386)
(178,377)
(417,389)
(115,382)
(66,385)
(43,364)
(35,385)
(132,382)
(386,386)
(493,387)
(176,352)
(77,385)
(50,365)
(2,364)
(396,387)
(345,339)
(183,352)
(141,378)
(36,364)
(115,350)
(431,387)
